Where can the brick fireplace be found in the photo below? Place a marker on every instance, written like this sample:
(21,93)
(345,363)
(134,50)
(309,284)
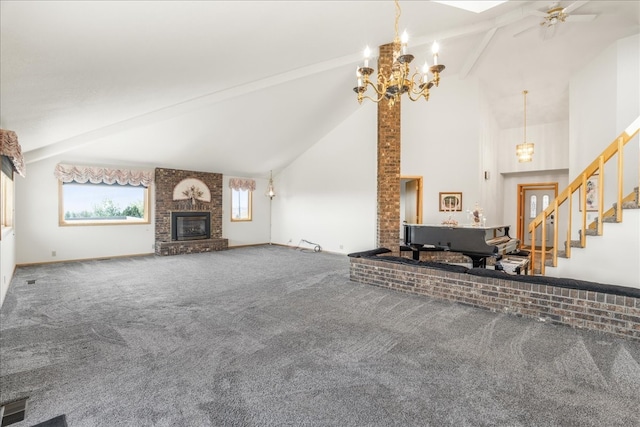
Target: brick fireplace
(188,213)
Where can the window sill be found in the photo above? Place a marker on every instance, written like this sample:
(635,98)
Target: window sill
(92,223)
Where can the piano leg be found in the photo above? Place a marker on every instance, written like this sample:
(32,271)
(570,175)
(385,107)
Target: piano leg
(415,252)
(478,262)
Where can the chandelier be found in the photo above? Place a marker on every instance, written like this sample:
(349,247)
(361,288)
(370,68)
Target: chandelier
(271,191)
(524,151)
(391,84)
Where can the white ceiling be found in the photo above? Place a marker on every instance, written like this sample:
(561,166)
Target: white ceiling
(243,87)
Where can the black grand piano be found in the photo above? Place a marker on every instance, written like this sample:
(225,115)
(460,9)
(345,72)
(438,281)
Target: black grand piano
(476,242)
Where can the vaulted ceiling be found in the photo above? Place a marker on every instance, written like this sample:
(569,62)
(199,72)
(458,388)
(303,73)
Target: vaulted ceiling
(244,87)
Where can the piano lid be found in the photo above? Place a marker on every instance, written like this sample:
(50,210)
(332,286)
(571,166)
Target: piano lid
(471,226)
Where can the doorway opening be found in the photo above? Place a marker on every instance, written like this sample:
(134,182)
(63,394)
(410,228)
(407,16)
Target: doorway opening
(410,201)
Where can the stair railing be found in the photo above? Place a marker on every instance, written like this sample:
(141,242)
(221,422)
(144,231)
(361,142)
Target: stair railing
(580,184)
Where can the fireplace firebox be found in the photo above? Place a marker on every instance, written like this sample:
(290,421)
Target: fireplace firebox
(190,225)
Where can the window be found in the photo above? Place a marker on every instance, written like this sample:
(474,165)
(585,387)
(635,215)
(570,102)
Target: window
(533,208)
(241,205)
(96,204)
(6,203)
(241,194)
(100,196)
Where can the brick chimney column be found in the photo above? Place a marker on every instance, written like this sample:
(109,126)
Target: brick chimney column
(388,222)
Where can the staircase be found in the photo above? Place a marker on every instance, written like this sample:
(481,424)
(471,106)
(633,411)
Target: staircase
(606,250)
(632,201)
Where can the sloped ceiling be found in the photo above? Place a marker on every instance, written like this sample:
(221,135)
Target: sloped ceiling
(244,87)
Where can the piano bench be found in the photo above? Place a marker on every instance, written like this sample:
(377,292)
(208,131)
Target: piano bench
(513,265)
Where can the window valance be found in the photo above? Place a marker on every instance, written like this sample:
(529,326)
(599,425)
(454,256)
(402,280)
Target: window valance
(98,175)
(10,147)
(242,184)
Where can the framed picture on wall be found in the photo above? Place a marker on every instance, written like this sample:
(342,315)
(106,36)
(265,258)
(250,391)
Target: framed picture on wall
(591,191)
(450,202)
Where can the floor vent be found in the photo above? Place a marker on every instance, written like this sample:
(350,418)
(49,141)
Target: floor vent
(12,412)
(31,282)
(59,421)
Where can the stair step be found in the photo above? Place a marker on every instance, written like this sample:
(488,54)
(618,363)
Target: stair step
(562,254)
(576,244)
(591,232)
(609,219)
(631,204)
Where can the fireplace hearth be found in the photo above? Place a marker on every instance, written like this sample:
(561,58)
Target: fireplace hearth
(190,226)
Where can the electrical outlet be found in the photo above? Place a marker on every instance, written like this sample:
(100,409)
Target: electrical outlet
(53,253)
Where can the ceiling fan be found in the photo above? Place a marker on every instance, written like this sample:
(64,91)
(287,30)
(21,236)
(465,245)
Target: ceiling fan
(555,15)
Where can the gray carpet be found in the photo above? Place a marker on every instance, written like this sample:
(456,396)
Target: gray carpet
(271,336)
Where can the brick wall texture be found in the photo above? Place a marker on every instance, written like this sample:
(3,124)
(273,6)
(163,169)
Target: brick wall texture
(388,216)
(614,314)
(165,182)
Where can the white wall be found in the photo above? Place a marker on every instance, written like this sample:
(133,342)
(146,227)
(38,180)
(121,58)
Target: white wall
(441,142)
(328,194)
(256,231)
(551,150)
(601,263)
(592,110)
(39,233)
(604,100)
(628,105)
(492,197)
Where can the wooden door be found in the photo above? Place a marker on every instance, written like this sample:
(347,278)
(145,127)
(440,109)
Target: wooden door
(533,199)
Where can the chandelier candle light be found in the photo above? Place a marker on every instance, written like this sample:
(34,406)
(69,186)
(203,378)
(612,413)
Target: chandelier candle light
(524,151)
(397,81)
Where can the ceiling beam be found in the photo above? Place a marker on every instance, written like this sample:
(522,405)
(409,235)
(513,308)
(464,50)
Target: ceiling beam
(184,107)
(473,58)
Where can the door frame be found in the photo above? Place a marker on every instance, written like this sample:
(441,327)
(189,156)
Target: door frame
(521,190)
(418,193)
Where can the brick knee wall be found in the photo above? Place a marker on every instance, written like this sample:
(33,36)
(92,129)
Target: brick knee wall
(615,314)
